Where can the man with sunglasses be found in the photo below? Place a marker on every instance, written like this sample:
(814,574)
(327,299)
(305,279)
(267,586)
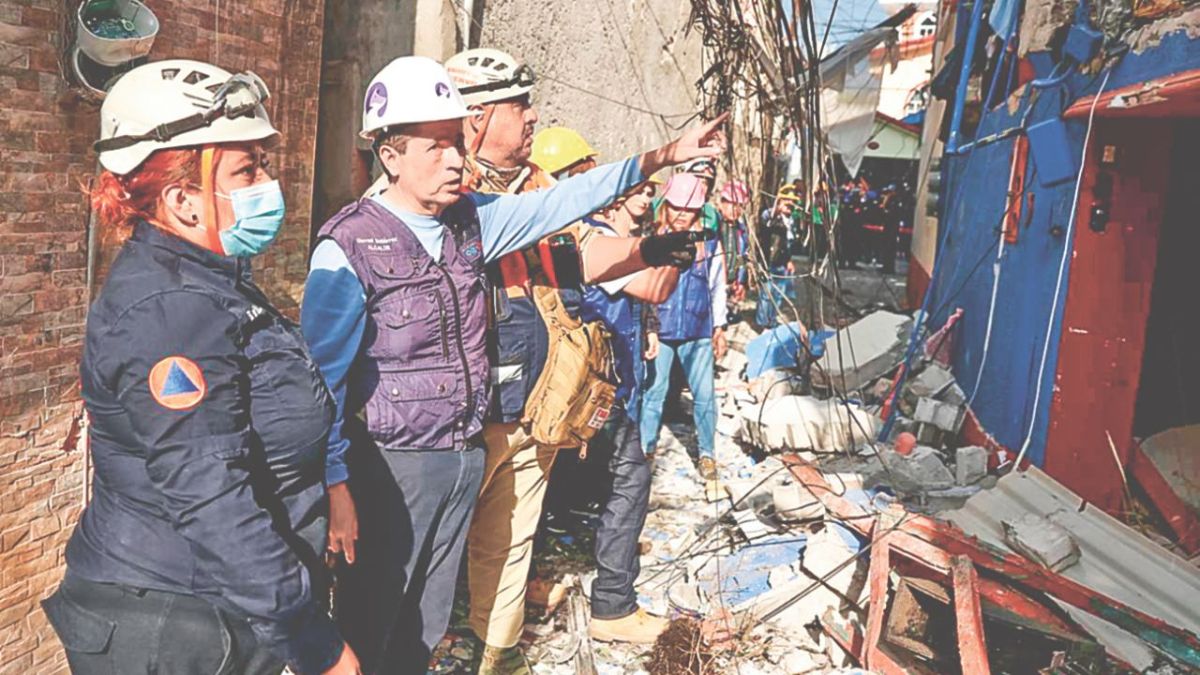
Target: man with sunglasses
(499,141)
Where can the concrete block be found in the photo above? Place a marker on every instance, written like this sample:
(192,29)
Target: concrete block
(928,382)
(970,464)
(806,423)
(928,434)
(1042,541)
(945,416)
(953,395)
(795,503)
(920,471)
(863,352)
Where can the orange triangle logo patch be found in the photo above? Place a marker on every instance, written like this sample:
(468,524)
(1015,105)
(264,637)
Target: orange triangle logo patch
(177,383)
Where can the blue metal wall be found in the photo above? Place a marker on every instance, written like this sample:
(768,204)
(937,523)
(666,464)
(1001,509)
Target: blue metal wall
(975,187)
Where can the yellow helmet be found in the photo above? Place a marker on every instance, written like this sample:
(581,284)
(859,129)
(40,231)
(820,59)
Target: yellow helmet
(787,192)
(556,148)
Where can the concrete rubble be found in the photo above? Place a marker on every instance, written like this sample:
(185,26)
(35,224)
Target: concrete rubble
(775,566)
(1042,540)
(806,423)
(862,352)
(970,464)
(920,471)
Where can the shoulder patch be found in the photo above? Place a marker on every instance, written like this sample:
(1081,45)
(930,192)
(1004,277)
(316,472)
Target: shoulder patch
(473,250)
(177,383)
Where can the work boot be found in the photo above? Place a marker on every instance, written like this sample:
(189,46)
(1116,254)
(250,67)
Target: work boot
(503,661)
(639,627)
(546,593)
(707,468)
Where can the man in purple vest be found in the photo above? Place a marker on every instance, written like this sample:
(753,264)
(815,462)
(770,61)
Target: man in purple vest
(395,314)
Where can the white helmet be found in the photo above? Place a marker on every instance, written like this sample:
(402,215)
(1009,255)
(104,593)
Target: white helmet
(178,103)
(408,90)
(489,75)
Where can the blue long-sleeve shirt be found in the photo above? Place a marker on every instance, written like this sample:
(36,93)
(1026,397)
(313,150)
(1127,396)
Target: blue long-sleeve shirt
(333,314)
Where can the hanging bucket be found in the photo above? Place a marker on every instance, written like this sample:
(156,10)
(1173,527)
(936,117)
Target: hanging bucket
(95,78)
(113,32)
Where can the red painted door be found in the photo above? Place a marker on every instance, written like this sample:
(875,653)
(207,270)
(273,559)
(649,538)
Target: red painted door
(1107,305)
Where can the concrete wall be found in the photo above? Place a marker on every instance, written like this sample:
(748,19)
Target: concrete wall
(45,136)
(634,51)
(361,37)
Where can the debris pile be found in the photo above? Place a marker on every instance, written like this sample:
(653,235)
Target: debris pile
(820,549)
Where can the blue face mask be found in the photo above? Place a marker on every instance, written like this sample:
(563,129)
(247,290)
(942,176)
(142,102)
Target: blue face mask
(259,212)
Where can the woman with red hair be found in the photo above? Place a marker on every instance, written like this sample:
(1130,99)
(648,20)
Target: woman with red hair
(200,551)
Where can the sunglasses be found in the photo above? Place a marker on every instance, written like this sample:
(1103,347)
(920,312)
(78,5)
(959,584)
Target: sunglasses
(522,77)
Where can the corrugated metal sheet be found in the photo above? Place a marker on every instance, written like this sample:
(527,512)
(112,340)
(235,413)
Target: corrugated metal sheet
(1116,560)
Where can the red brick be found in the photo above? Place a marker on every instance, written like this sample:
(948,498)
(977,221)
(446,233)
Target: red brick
(36,17)
(45,137)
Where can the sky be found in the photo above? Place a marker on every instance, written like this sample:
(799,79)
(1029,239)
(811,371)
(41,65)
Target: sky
(850,18)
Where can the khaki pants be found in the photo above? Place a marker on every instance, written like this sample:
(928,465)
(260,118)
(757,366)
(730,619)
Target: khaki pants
(500,542)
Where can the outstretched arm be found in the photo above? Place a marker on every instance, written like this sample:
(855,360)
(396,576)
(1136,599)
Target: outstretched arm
(513,222)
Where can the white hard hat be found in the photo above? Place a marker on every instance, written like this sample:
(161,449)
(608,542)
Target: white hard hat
(408,90)
(178,103)
(489,75)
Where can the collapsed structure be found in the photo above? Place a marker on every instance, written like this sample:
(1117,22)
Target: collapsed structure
(1050,260)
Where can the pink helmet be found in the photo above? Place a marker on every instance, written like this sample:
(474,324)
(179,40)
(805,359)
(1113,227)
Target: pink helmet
(736,192)
(686,191)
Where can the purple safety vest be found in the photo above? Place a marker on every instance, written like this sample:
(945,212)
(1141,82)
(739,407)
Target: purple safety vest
(421,375)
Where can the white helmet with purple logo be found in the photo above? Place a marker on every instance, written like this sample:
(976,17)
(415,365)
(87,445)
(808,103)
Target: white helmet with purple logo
(409,90)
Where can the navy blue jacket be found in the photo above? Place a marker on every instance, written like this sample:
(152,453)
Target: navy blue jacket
(208,430)
(622,315)
(688,314)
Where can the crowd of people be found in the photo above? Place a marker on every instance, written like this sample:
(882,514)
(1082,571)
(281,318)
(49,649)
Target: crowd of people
(272,494)
(269,493)
(873,225)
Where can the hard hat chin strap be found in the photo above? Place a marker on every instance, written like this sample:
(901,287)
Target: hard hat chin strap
(474,176)
(484,123)
(208,162)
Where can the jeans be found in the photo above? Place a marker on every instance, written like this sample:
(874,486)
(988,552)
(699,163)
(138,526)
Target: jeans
(770,298)
(696,356)
(108,629)
(624,515)
(394,603)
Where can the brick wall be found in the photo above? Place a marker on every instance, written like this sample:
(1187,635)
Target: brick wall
(45,133)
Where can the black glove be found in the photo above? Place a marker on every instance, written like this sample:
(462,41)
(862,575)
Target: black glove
(673,248)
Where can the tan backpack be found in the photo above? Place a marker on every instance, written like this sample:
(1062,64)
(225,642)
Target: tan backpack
(574,395)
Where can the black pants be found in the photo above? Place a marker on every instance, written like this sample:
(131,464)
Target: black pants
(414,508)
(117,630)
(618,447)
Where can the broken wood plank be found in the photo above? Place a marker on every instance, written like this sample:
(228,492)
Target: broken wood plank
(968,613)
(577,624)
(927,533)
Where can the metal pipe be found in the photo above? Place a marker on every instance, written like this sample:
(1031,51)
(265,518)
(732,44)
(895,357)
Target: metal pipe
(964,76)
(1055,77)
(991,93)
(89,279)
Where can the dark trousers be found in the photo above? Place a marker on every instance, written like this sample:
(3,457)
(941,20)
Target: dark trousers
(109,629)
(394,603)
(619,447)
